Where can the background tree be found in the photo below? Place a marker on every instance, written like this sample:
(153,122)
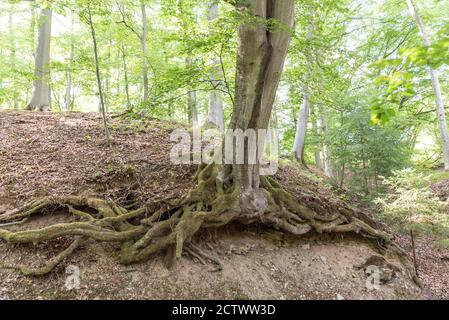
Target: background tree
(41,98)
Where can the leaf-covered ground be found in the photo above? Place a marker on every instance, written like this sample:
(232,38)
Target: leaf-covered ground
(64,154)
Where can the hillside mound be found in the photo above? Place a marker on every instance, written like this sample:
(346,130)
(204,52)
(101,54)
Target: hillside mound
(61,155)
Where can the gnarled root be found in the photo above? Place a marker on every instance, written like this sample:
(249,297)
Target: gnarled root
(143,232)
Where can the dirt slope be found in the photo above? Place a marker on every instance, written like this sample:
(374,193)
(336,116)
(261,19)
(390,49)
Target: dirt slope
(255,266)
(56,154)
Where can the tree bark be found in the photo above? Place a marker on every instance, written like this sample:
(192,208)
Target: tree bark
(301,127)
(304,112)
(68,93)
(316,130)
(215,117)
(40,99)
(143,41)
(13,57)
(436,86)
(260,61)
(326,150)
(97,72)
(125,71)
(192,111)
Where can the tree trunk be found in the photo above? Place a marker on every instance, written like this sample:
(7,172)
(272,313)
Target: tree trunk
(260,61)
(301,127)
(326,152)
(193,114)
(107,86)
(97,72)
(41,85)
(13,57)
(316,130)
(436,86)
(125,71)
(215,117)
(143,41)
(68,92)
(192,111)
(32,25)
(304,112)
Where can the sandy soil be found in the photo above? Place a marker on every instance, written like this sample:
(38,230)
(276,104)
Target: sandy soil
(255,266)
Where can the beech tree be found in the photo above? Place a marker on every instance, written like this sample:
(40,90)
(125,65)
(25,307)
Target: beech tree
(236,191)
(41,99)
(304,111)
(435,84)
(215,117)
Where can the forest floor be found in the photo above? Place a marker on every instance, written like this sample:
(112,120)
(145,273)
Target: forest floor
(44,154)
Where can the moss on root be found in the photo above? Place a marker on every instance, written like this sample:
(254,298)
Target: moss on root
(209,205)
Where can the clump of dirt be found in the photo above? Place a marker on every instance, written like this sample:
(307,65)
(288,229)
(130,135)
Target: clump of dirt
(51,154)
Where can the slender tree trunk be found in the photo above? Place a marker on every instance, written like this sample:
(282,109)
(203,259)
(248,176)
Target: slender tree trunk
(68,92)
(125,71)
(301,127)
(260,61)
(192,110)
(304,112)
(316,130)
(143,41)
(41,86)
(13,57)
(97,72)
(328,170)
(107,77)
(32,40)
(436,86)
(32,25)
(322,157)
(215,117)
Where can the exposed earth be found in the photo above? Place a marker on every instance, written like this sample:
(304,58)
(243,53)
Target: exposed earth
(51,154)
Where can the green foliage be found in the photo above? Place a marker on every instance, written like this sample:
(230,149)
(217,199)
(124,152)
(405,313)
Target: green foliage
(411,204)
(366,151)
(402,76)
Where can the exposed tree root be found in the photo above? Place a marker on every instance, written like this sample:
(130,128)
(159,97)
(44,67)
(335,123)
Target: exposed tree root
(210,205)
(203,257)
(51,264)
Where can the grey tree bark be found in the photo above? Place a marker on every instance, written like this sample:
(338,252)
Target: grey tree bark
(435,84)
(304,111)
(13,56)
(192,110)
(328,170)
(40,99)
(301,127)
(316,131)
(143,41)
(215,117)
(32,25)
(68,93)
(260,61)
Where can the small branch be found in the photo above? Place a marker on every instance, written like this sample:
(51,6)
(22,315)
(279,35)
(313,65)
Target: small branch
(224,75)
(123,21)
(415,264)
